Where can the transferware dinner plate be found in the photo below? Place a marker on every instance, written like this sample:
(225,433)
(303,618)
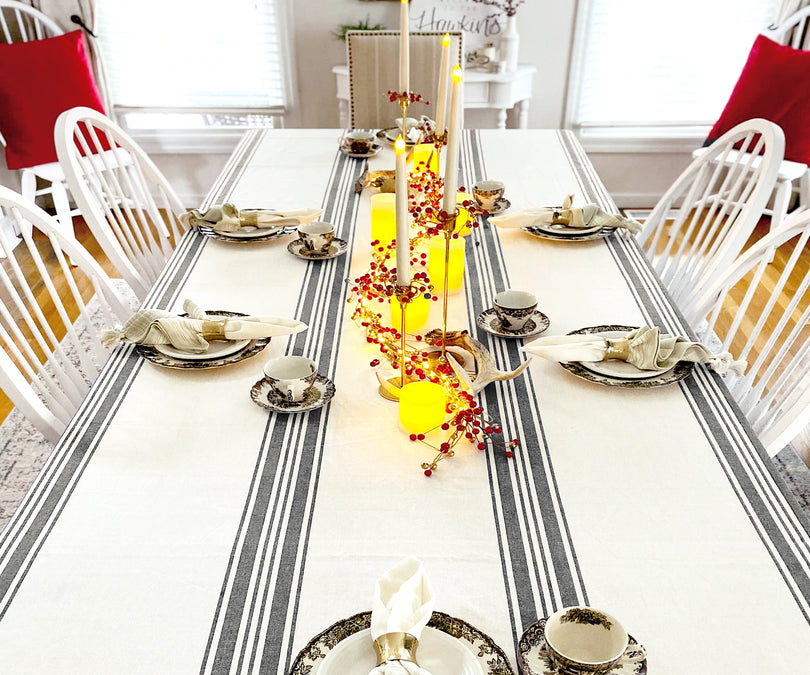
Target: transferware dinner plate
(626,375)
(247,235)
(219,353)
(438,653)
(584,235)
(490,657)
(533,658)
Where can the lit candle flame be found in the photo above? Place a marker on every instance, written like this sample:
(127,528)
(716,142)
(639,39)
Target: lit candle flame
(445,39)
(457,74)
(399,144)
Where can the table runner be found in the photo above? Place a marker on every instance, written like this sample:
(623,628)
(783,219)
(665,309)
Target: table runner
(299,542)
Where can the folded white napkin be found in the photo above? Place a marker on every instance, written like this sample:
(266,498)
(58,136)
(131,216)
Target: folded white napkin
(159,327)
(403,603)
(227,218)
(646,348)
(582,217)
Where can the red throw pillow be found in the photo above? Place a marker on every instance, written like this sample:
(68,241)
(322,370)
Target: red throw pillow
(38,81)
(773,85)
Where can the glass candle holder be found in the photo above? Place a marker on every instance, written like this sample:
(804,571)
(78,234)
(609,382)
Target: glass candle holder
(383,217)
(455,271)
(422,406)
(416,313)
(425,156)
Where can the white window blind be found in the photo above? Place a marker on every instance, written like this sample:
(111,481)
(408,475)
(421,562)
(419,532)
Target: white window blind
(195,54)
(643,64)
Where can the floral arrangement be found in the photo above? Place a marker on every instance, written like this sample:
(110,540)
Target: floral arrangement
(371,294)
(508,7)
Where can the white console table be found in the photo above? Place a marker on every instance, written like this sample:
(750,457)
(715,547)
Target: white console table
(482,90)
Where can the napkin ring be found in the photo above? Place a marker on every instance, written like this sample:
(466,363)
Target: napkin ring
(618,348)
(213,330)
(396,647)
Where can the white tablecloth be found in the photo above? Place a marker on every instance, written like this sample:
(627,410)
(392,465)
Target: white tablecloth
(180,528)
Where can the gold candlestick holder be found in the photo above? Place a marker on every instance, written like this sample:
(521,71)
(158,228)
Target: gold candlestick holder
(439,141)
(448,224)
(390,390)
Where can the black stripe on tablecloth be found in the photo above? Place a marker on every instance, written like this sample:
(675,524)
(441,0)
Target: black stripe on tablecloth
(541,572)
(33,520)
(257,609)
(779,522)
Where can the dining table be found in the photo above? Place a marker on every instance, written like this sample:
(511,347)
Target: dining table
(179,527)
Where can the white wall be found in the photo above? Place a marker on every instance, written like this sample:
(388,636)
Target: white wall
(545,29)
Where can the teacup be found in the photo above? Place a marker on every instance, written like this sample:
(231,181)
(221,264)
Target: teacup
(487,193)
(317,236)
(358,142)
(587,640)
(514,308)
(291,377)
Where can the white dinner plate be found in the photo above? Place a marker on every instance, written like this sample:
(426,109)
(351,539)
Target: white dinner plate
(249,232)
(620,369)
(565,230)
(216,349)
(438,653)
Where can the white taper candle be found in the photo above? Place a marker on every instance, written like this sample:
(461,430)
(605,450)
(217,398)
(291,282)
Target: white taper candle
(401,210)
(444,79)
(404,49)
(453,136)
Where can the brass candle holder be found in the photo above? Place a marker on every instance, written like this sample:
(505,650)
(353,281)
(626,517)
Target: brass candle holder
(390,391)
(448,225)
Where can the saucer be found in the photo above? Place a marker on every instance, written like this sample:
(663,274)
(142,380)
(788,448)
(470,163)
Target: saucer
(338,247)
(439,654)
(491,323)
(533,658)
(375,148)
(321,392)
(499,207)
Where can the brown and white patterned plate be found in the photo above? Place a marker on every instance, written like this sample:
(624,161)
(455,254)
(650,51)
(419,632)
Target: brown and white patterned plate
(375,148)
(246,235)
(533,658)
(640,380)
(338,247)
(491,323)
(319,394)
(584,235)
(491,657)
(222,354)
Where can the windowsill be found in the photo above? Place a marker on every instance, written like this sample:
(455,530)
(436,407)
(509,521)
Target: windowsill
(647,140)
(188,141)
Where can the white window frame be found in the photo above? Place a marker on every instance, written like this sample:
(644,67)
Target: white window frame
(212,139)
(630,138)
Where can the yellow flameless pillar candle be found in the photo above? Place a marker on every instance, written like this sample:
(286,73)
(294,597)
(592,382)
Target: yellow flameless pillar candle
(455,270)
(463,217)
(425,156)
(422,406)
(383,217)
(416,315)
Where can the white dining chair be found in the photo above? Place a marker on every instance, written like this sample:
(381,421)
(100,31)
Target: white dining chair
(126,201)
(793,179)
(373,58)
(773,334)
(49,325)
(703,220)
(21,23)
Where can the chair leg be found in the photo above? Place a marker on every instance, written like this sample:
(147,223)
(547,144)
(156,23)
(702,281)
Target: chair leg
(28,189)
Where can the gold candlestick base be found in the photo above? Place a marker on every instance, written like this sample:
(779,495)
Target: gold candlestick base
(389,389)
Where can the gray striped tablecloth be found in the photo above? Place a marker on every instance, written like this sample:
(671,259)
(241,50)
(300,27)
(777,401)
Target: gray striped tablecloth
(179,528)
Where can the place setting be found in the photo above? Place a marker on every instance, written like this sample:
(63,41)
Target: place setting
(578,641)
(513,314)
(630,357)
(317,241)
(402,635)
(225,222)
(292,384)
(198,339)
(567,222)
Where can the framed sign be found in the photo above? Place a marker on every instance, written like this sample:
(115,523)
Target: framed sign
(475,21)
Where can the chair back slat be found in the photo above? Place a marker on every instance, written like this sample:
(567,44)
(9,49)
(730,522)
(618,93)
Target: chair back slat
(20,22)
(49,331)
(124,198)
(717,202)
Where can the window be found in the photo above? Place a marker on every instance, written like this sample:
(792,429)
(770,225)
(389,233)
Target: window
(649,71)
(187,65)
